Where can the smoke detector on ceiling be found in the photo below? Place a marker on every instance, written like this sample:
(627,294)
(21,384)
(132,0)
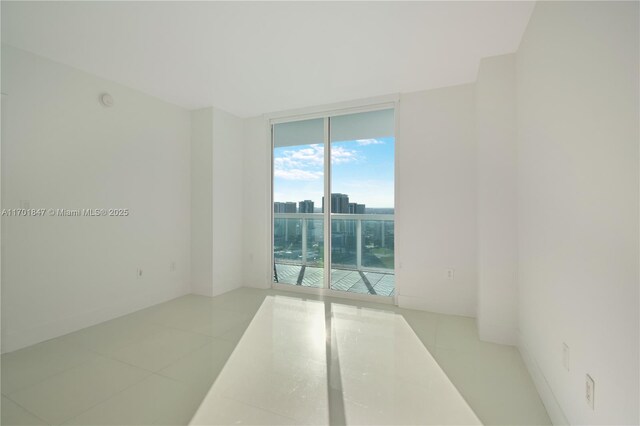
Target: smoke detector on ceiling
(106,99)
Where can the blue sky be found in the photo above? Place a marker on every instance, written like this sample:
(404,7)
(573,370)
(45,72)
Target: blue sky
(363,169)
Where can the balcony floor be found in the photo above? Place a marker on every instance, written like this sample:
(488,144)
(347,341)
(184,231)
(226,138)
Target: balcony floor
(379,283)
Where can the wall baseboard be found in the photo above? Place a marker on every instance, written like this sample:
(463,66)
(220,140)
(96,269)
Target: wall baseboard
(554,410)
(13,341)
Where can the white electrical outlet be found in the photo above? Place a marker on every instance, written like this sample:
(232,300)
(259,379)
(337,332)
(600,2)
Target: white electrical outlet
(565,356)
(590,391)
(450,274)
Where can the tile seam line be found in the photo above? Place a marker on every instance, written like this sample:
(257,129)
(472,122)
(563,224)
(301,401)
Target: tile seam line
(26,409)
(260,408)
(23,388)
(66,421)
(336,412)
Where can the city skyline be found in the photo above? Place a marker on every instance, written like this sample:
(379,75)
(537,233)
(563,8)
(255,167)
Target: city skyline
(340,203)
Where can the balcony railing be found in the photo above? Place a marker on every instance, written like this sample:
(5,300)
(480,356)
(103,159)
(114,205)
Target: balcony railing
(363,242)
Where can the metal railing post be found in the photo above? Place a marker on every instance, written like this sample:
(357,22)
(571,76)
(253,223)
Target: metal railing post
(304,240)
(358,244)
(286,232)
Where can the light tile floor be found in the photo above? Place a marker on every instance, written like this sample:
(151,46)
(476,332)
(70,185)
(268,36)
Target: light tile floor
(402,383)
(278,368)
(155,366)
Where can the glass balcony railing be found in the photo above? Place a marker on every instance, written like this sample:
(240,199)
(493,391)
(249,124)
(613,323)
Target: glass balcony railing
(298,238)
(360,243)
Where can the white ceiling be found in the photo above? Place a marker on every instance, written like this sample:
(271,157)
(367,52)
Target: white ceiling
(251,58)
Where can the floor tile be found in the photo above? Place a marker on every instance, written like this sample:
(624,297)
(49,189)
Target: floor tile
(182,314)
(35,363)
(69,393)
(175,339)
(220,321)
(495,382)
(279,364)
(302,400)
(243,300)
(165,313)
(14,415)
(154,401)
(234,334)
(456,332)
(112,335)
(161,349)
(224,411)
(402,383)
(201,367)
(424,324)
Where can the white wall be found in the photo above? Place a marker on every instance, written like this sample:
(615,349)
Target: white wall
(228,194)
(495,100)
(577,91)
(202,201)
(257,202)
(217,201)
(62,149)
(435,201)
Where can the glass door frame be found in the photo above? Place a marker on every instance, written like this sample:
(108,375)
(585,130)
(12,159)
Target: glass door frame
(388,102)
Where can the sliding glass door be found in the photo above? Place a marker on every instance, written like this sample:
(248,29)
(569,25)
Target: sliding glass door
(333,181)
(362,208)
(298,190)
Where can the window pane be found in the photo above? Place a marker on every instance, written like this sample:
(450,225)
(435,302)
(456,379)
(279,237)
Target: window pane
(298,187)
(362,202)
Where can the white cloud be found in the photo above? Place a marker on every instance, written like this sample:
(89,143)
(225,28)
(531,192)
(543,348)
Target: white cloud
(364,142)
(307,163)
(340,155)
(307,156)
(312,156)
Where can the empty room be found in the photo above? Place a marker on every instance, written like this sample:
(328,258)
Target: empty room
(320,213)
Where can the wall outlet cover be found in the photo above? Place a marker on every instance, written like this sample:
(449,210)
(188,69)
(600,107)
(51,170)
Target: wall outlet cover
(450,274)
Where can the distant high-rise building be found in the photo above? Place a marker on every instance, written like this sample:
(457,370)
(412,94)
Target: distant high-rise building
(355,208)
(339,203)
(286,207)
(305,206)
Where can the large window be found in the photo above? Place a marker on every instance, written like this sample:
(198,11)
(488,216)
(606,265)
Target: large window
(333,202)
